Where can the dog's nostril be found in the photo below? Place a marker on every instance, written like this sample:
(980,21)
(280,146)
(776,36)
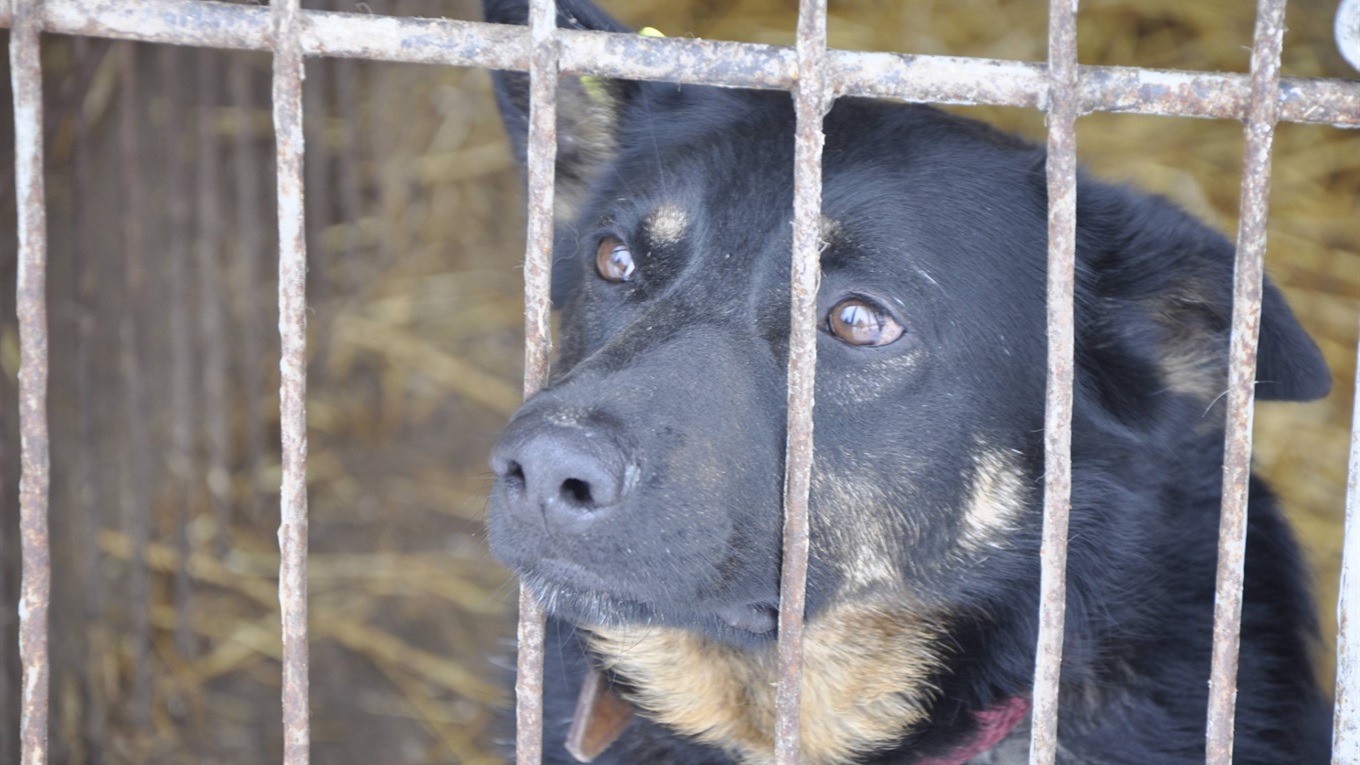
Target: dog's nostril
(514,476)
(577,492)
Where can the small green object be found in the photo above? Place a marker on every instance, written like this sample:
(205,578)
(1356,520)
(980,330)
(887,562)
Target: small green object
(592,85)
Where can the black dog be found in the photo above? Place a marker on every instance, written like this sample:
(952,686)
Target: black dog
(639,494)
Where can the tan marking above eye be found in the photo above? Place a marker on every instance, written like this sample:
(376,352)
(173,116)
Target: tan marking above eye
(613,260)
(860,322)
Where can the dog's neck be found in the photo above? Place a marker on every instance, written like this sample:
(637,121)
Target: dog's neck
(601,717)
(866,682)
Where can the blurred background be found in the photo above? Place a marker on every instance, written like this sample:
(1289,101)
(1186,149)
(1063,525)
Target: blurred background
(162,282)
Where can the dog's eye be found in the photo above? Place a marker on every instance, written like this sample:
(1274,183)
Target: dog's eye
(859,322)
(613,260)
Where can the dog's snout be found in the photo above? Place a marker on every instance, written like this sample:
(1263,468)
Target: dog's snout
(571,477)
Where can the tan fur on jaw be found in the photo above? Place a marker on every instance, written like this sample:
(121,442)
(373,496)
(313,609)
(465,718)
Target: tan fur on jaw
(866,672)
(996,501)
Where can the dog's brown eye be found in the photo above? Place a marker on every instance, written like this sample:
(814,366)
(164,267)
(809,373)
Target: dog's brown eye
(859,322)
(613,260)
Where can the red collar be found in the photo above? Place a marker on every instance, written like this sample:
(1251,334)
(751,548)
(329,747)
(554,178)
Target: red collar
(601,716)
(993,725)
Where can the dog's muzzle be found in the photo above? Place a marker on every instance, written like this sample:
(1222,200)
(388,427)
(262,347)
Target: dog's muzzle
(570,476)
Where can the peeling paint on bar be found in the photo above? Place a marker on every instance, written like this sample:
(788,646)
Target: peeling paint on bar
(939,79)
(31,302)
(1346,725)
(1062,110)
(293,380)
(541,164)
(812,99)
(1263,113)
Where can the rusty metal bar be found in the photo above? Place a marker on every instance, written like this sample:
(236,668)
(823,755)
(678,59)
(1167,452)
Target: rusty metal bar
(541,164)
(31,303)
(940,79)
(1062,241)
(1346,724)
(1263,113)
(136,499)
(292,379)
(812,100)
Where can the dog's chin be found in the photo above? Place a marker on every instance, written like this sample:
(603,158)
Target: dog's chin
(575,594)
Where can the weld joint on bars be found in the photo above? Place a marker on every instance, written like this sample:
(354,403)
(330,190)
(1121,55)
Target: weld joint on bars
(936,79)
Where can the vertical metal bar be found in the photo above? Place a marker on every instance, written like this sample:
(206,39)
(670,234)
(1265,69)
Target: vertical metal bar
(31,303)
(209,257)
(293,379)
(181,458)
(1062,236)
(1346,725)
(541,162)
(249,247)
(812,100)
(136,492)
(1262,114)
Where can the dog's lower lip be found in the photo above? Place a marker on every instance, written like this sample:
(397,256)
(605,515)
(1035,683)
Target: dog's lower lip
(758,618)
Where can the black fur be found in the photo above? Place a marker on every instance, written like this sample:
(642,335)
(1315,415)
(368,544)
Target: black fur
(662,433)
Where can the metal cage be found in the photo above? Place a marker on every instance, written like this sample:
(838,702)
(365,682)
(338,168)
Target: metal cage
(815,76)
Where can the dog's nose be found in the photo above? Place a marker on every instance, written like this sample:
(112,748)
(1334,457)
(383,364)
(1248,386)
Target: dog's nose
(572,477)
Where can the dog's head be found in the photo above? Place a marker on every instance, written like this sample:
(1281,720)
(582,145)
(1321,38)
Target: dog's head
(643,486)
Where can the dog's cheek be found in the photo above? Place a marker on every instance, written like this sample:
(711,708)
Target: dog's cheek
(997,497)
(858,537)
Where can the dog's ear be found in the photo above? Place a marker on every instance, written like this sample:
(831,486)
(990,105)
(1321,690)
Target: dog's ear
(588,108)
(1181,272)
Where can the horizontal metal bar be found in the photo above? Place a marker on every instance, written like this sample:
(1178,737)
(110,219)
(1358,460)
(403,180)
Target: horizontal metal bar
(938,79)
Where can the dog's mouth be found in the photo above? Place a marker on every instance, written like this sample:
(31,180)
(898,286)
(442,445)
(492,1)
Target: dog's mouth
(756,618)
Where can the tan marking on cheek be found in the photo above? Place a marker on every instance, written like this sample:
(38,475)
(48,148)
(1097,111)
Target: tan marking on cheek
(1195,373)
(996,501)
(849,527)
(865,682)
(667,224)
(830,231)
(1194,351)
